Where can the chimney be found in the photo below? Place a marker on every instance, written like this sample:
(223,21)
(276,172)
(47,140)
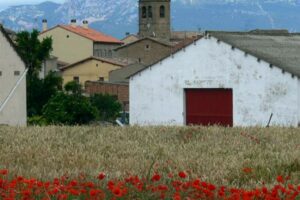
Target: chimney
(73,23)
(45,24)
(85,24)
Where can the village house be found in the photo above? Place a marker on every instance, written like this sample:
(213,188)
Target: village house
(225,78)
(146,50)
(72,43)
(154,41)
(90,69)
(13,109)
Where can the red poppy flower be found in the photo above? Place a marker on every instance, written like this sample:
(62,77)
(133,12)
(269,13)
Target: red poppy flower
(155,177)
(280,179)
(117,192)
(94,192)
(3,171)
(182,174)
(101,176)
(247,170)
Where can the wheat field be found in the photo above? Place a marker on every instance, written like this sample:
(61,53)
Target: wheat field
(214,154)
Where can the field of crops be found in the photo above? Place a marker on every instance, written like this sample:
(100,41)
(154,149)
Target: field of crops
(238,157)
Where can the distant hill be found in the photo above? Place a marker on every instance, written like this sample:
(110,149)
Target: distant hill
(120,16)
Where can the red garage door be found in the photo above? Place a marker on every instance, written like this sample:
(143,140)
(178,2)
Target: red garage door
(209,107)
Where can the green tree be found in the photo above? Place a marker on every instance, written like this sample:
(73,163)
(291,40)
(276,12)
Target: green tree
(69,109)
(40,91)
(108,106)
(33,51)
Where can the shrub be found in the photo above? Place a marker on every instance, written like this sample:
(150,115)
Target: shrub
(108,106)
(69,110)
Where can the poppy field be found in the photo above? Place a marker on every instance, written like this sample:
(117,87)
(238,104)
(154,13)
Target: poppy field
(149,163)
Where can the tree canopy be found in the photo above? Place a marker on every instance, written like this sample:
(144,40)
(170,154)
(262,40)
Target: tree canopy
(33,51)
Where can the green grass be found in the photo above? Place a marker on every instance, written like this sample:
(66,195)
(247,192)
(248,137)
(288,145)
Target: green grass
(215,154)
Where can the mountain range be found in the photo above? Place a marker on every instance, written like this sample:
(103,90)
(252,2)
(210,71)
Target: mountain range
(120,16)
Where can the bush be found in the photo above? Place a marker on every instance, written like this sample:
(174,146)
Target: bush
(37,121)
(69,110)
(108,106)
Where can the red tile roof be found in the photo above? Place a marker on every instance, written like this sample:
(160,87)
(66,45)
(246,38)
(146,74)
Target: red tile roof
(89,34)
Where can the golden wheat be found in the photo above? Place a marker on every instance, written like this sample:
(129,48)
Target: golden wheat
(215,154)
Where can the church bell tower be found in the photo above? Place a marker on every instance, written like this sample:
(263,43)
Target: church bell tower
(155,19)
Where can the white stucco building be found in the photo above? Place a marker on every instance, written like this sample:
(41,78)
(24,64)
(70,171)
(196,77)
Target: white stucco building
(228,78)
(12,84)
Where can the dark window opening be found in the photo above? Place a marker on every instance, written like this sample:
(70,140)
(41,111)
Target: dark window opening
(150,11)
(68,36)
(16,73)
(97,65)
(162,12)
(0,73)
(101,78)
(76,79)
(144,12)
(147,47)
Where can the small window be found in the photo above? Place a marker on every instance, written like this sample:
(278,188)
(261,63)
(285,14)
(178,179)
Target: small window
(17,73)
(68,36)
(144,12)
(162,11)
(0,73)
(101,78)
(150,11)
(76,78)
(147,47)
(97,65)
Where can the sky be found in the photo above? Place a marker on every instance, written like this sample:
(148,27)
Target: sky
(6,3)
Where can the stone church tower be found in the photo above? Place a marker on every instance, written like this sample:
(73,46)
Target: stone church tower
(155,19)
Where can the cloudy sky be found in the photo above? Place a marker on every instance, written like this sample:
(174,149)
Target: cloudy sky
(6,3)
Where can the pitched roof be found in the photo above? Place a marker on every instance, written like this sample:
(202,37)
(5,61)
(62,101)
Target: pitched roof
(130,35)
(145,38)
(3,31)
(121,75)
(106,60)
(277,47)
(88,33)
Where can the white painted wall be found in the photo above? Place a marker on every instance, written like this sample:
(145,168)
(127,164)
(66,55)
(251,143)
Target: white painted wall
(157,93)
(15,113)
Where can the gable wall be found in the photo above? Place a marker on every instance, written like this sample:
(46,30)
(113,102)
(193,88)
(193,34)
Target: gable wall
(89,71)
(147,56)
(15,112)
(258,90)
(69,49)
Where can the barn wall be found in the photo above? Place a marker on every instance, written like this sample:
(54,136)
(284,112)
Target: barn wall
(258,89)
(15,112)
(298,101)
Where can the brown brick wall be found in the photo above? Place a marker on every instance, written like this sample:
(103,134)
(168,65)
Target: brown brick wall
(119,90)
